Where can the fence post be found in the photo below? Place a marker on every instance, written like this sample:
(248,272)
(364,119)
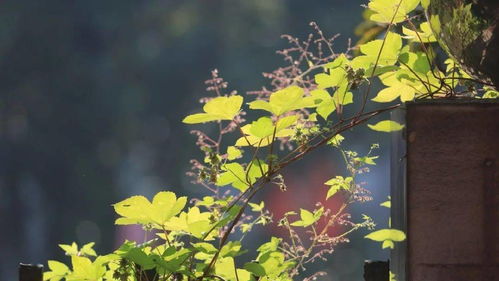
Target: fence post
(30,272)
(376,270)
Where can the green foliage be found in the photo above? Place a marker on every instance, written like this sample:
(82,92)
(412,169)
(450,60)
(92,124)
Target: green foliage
(138,210)
(194,241)
(308,218)
(386,126)
(387,236)
(283,101)
(219,108)
(391,11)
(338,183)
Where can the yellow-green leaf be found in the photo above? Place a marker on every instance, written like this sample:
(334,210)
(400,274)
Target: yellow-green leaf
(257,207)
(386,126)
(138,210)
(233,153)
(57,271)
(425,35)
(336,140)
(263,127)
(388,55)
(388,244)
(308,218)
(282,101)
(386,234)
(395,11)
(219,108)
(338,183)
(261,132)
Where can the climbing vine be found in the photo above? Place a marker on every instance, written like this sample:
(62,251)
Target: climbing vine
(308,104)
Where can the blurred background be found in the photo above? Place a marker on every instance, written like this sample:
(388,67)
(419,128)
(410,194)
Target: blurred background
(92,94)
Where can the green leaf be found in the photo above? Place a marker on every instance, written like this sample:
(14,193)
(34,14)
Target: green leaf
(392,275)
(205,247)
(384,11)
(88,250)
(325,104)
(138,210)
(341,97)
(139,257)
(270,246)
(386,126)
(194,222)
(232,249)
(336,140)
(261,132)
(425,35)
(286,122)
(368,160)
(263,127)
(219,108)
(338,183)
(333,78)
(57,271)
(70,250)
(257,207)
(490,93)
(233,153)
(84,269)
(388,244)
(255,268)
(417,62)
(226,268)
(405,92)
(308,218)
(387,203)
(234,174)
(371,50)
(282,101)
(386,234)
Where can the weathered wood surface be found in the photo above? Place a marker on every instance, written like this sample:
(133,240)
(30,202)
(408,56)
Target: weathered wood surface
(452,191)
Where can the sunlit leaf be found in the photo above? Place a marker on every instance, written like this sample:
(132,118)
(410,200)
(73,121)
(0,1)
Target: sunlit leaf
(138,210)
(237,176)
(386,234)
(57,271)
(219,108)
(261,132)
(262,128)
(70,250)
(373,51)
(425,35)
(395,11)
(386,126)
(233,153)
(338,183)
(308,218)
(282,101)
(194,222)
(257,207)
(386,204)
(336,140)
(388,244)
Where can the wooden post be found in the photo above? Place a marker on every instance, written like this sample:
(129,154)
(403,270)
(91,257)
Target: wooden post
(30,272)
(452,191)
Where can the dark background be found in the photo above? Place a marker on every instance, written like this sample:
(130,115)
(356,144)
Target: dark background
(92,94)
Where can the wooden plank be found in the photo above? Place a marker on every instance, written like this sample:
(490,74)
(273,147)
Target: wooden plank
(452,192)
